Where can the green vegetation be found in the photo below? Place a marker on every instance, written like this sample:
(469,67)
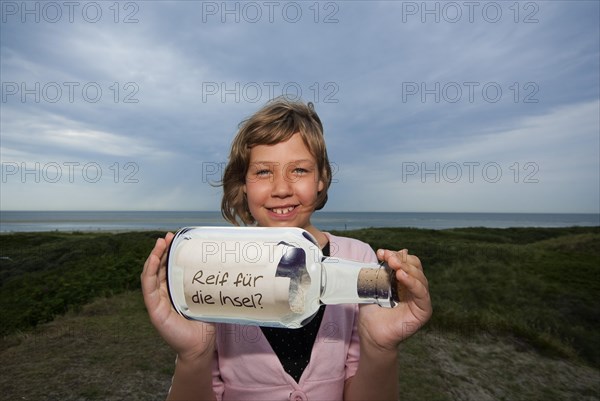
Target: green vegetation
(105,351)
(516,315)
(44,275)
(537,285)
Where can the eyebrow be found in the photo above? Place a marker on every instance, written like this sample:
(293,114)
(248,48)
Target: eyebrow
(290,162)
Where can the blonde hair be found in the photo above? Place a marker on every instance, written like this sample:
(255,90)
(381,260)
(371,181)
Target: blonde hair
(276,122)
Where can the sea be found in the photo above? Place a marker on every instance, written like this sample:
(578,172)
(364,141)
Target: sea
(120,221)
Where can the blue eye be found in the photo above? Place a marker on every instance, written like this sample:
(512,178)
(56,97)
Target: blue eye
(300,171)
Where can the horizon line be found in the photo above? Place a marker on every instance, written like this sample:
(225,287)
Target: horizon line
(317,212)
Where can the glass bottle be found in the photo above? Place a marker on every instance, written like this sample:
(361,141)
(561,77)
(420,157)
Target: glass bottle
(275,277)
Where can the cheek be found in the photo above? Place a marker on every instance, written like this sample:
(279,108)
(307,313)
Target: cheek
(255,191)
(308,190)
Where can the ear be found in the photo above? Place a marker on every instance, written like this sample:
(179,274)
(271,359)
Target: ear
(321,185)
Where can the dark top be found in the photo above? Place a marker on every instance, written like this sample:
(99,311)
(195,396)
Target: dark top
(293,346)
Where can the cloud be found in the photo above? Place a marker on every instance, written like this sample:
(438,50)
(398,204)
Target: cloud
(164,85)
(545,163)
(34,134)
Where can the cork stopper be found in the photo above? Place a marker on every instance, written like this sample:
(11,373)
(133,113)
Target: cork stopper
(373,283)
(351,282)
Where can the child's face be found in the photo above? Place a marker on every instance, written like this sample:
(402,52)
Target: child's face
(282,184)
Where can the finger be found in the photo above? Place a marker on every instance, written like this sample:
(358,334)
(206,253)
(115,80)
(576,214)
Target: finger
(154,253)
(394,259)
(151,267)
(414,270)
(407,263)
(162,273)
(414,261)
(416,289)
(150,285)
(167,243)
(149,276)
(414,274)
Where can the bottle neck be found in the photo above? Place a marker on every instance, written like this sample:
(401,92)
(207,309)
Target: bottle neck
(345,281)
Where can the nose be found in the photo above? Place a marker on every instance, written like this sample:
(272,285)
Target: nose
(282,186)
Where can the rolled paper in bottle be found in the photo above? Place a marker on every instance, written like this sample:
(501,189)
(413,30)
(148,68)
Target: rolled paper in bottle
(222,280)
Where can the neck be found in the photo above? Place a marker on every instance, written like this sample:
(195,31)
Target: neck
(319,235)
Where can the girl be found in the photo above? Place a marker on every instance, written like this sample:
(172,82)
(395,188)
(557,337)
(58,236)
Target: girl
(278,174)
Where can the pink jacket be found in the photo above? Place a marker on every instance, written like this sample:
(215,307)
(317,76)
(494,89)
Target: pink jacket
(246,368)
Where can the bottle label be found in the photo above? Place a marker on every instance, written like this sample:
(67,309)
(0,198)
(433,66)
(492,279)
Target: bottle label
(233,278)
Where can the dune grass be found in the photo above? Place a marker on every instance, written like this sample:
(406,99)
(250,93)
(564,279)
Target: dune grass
(538,285)
(516,316)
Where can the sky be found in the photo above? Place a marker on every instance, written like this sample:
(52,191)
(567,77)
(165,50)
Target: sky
(474,106)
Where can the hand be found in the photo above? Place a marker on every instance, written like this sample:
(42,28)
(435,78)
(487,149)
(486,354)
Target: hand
(190,339)
(385,328)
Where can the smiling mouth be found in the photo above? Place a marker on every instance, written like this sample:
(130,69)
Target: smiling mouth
(282,210)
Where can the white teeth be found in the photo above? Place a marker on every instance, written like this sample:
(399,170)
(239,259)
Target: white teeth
(283,210)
